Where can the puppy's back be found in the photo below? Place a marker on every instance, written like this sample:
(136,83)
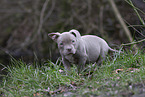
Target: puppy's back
(94,46)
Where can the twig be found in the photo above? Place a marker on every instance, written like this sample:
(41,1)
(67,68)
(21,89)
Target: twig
(42,16)
(130,2)
(136,8)
(50,11)
(101,20)
(41,21)
(133,42)
(134,28)
(29,39)
(118,16)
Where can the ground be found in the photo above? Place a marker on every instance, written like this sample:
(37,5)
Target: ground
(122,74)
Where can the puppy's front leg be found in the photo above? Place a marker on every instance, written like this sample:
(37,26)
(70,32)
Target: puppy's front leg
(82,63)
(66,64)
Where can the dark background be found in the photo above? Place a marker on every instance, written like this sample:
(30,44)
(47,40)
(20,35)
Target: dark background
(24,25)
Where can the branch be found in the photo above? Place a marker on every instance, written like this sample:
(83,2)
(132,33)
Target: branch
(42,16)
(133,42)
(50,11)
(135,9)
(122,23)
(41,21)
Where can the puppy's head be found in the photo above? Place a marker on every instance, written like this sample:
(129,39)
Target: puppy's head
(67,41)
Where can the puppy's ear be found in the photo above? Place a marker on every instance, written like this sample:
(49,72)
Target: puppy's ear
(54,36)
(75,33)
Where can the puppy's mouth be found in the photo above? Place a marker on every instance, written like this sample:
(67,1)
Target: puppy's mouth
(70,53)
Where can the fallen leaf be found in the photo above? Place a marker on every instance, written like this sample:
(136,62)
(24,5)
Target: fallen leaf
(60,70)
(37,95)
(128,70)
(118,70)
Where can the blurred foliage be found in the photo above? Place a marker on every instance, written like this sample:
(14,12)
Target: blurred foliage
(24,24)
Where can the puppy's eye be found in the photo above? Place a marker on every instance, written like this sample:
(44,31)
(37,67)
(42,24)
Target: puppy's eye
(72,41)
(61,44)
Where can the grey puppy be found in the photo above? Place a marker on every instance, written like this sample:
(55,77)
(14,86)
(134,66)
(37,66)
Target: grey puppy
(79,50)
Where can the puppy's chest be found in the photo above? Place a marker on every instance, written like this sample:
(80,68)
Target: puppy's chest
(72,58)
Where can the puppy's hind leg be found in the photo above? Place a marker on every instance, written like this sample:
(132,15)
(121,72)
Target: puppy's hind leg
(102,57)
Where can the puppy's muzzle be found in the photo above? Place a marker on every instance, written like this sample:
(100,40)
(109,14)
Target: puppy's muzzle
(69,49)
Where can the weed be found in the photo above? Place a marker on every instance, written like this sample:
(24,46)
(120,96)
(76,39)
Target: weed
(124,75)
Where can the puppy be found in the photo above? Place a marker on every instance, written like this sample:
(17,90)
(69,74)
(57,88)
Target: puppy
(79,50)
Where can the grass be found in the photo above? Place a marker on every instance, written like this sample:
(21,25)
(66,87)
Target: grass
(120,75)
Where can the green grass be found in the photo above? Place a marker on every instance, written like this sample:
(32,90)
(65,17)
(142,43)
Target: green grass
(34,80)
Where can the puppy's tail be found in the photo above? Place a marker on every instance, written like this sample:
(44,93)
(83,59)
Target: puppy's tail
(115,50)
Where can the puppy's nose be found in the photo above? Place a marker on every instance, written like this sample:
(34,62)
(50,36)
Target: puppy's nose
(69,49)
